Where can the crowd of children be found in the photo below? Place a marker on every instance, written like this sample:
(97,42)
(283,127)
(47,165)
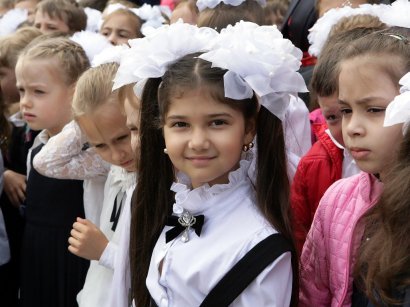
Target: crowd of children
(164,155)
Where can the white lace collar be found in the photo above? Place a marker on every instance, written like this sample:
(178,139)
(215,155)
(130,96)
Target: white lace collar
(123,177)
(197,200)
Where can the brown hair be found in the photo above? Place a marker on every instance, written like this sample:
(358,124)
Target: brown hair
(65,10)
(133,17)
(71,57)
(357,21)
(384,260)
(94,88)
(223,15)
(390,47)
(324,79)
(275,11)
(11,45)
(153,198)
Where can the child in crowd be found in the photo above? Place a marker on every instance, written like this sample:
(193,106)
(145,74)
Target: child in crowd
(187,11)
(46,73)
(275,11)
(121,25)
(200,133)
(30,6)
(59,16)
(369,74)
(228,13)
(327,161)
(99,114)
(16,139)
(383,263)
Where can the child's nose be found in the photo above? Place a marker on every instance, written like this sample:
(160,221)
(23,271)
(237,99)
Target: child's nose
(355,125)
(199,140)
(113,39)
(25,101)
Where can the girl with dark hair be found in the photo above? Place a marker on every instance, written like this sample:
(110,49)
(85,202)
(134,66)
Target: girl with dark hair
(227,213)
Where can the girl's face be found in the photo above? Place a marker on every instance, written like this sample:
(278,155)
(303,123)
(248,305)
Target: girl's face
(45,98)
(8,85)
(119,28)
(46,24)
(204,137)
(107,132)
(132,111)
(365,90)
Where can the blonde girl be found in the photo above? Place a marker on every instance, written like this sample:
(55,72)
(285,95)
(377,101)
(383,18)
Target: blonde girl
(101,123)
(369,74)
(46,73)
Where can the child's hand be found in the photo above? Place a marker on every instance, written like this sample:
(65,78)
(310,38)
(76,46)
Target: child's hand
(15,187)
(87,240)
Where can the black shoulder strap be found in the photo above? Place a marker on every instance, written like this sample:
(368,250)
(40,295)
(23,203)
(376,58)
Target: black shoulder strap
(246,270)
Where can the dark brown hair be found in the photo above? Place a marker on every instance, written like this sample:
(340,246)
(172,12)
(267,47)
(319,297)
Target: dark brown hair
(384,260)
(153,199)
(223,15)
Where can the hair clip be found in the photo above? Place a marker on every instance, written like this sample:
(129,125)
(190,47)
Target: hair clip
(397,36)
(347,3)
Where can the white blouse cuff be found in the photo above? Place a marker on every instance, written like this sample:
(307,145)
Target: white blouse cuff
(107,258)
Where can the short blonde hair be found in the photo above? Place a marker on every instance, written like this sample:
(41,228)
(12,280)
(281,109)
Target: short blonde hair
(70,55)
(94,88)
(12,45)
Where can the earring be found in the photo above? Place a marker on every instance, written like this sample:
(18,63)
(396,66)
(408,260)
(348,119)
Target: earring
(165,151)
(246,148)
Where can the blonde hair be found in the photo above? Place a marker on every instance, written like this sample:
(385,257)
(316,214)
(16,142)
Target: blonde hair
(11,45)
(71,57)
(65,10)
(93,89)
(123,2)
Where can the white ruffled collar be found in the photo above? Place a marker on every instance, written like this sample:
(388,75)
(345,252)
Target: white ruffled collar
(124,178)
(196,201)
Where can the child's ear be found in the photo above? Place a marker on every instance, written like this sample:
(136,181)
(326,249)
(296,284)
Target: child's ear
(250,130)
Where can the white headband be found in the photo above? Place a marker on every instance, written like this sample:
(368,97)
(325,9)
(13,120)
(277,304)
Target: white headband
(319,33)
(11,20)
(151,15)
(398,111)
(203,4)
(396,14)
(257,58)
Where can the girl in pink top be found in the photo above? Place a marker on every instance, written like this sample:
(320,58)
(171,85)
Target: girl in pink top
(369,75)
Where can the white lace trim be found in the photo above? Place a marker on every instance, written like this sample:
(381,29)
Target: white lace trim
(185,194)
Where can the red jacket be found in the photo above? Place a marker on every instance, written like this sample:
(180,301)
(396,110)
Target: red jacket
(316,171)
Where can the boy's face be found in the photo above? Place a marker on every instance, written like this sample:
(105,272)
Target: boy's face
(46,24)
(331,112)
(8,85)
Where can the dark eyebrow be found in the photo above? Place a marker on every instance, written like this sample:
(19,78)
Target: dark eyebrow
(181,117)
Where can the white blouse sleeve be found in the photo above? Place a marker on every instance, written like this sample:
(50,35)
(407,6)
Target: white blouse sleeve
(272,287)
(64,156)
(108,256)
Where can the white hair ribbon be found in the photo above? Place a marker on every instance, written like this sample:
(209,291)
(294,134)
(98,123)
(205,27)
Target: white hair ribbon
(203,4)
(398,111)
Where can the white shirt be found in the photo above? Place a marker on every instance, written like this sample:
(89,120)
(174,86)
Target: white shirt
(233,226)
(97,284)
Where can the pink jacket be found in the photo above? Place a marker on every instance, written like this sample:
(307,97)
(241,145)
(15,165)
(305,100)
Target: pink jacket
(329,254)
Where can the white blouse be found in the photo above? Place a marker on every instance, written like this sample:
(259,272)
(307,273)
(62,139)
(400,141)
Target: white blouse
(64,157)
(233,226)
(98,283)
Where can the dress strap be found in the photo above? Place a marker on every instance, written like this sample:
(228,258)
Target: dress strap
(246,270)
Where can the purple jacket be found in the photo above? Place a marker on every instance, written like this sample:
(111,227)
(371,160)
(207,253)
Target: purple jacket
(329,254)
